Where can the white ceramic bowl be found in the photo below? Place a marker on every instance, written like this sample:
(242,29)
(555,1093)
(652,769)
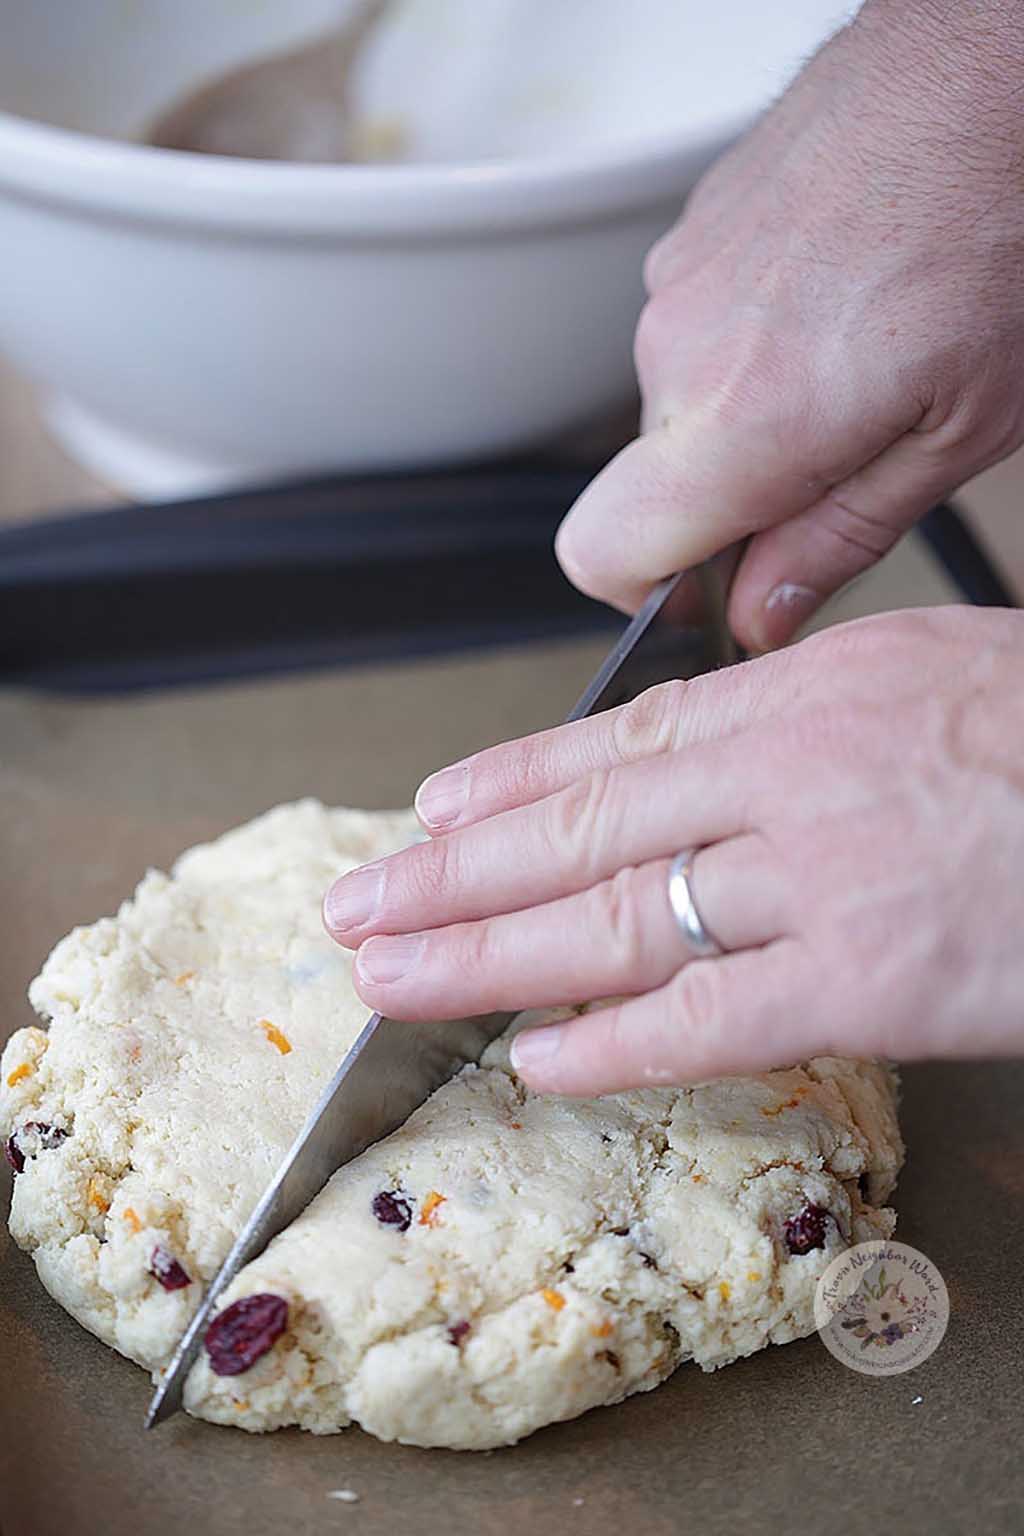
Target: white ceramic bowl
(199,321)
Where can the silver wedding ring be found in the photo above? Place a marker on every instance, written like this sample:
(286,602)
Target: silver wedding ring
(684,908)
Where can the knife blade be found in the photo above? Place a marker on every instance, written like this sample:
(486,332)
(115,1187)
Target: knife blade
(392,1068)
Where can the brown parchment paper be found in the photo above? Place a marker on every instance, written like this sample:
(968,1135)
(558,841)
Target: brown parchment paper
(91,792)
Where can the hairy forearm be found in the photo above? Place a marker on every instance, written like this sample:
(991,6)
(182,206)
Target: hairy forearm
(926,99)
(966,54)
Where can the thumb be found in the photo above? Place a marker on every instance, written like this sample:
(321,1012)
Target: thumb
(696,484)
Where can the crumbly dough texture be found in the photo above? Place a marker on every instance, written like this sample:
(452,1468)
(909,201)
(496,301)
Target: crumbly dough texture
(591,1246)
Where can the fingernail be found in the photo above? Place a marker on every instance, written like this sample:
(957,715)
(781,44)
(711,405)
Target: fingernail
(785,609)
(535,1046)
(385,960)
(355,899)
(441,799)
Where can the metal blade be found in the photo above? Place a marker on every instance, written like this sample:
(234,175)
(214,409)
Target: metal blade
(389,1072)
(393,1068)
(680,631)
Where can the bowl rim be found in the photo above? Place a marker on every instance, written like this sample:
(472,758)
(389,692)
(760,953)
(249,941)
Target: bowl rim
(43,163)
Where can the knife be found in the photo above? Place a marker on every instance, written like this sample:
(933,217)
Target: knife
(392,1068)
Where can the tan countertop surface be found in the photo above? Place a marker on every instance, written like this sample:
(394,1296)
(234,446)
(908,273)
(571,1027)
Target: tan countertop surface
(787,1443)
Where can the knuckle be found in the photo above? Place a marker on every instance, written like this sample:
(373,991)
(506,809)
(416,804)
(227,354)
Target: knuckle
(655,262)
(474,949)
(754,375)
(617,917)
(969,418)
(651,330)
(615,1036)
(862,532)
(522,772)
(647,726)
(660,261)
(697,1002)
(978,426)
(430,868)
(693,239)
(577,820)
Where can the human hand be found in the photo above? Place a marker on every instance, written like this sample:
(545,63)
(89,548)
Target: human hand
(835,331)
(859,803)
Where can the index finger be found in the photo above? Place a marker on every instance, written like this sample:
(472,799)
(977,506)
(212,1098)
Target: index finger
(565,843)
(660,720)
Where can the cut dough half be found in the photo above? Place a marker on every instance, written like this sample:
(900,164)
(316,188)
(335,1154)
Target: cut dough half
(501,1262)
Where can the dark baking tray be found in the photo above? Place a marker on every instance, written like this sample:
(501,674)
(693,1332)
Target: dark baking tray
(314,574)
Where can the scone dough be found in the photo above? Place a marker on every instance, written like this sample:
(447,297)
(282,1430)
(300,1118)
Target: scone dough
(189,1036)
(559,1253)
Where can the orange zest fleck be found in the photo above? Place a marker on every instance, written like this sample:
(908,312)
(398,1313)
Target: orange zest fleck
(428,1215)
(790,1103)
(15,1077)
(131,1219)
(724,1290)
(516,1125)
(275,1036)
(698,1178)
(753,1275)
(241,1403)
(96,1197)
(554,1299)
(601,1330)
(186,976)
